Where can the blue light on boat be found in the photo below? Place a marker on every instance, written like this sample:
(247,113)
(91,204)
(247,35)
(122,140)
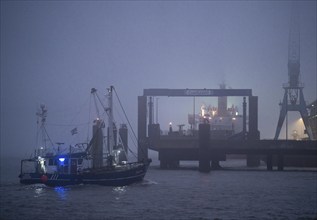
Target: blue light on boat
(62,159)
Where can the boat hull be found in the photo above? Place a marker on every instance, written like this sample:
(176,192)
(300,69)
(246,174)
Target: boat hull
(30,178)
(116,177)
(108,176)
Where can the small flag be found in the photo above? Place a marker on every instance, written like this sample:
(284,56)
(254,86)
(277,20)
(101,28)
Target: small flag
(74,131)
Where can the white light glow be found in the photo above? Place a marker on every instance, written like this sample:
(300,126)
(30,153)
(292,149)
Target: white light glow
(213,113)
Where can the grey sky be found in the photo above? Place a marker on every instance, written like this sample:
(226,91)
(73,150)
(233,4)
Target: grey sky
(54,52)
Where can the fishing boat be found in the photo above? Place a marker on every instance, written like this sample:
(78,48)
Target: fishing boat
(87,163)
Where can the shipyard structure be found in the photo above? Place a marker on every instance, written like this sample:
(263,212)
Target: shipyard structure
(219,131)
(293,99)
(312,118)
(214,133)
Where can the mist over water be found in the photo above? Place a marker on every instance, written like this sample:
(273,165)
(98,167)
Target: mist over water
(233,193)
(54,52)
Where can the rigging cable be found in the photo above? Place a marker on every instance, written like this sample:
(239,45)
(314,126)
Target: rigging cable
(96,106)
(128,120)
(106,111)
(129,132)
(104,108)
(47,135)
(74,115)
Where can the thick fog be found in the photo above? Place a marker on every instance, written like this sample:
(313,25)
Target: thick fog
(54,52)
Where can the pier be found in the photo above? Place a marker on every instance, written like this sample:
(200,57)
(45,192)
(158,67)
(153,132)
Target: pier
(203,147)
(209,152)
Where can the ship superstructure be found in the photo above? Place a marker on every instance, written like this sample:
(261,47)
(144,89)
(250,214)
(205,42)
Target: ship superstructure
(224,122)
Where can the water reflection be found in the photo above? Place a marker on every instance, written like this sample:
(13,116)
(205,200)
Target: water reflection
(119,191)
(61,192)
(38,192)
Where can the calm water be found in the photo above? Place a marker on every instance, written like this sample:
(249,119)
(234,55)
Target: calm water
(169,194)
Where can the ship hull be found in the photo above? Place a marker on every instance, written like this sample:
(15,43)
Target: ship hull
(30,178)
(108,176)
(116,177)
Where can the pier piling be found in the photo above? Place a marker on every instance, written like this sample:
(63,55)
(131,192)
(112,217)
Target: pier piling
(204,139)
(280,162)
(269,162)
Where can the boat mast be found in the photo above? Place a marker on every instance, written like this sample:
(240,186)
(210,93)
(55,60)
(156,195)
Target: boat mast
(42,114)
(110,120)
